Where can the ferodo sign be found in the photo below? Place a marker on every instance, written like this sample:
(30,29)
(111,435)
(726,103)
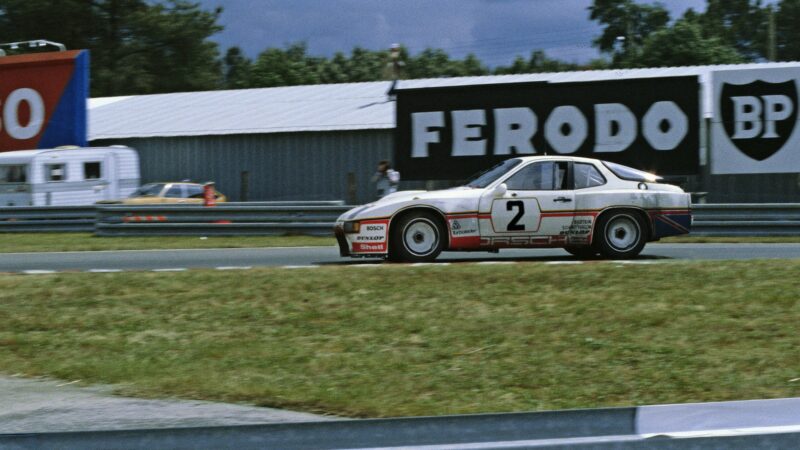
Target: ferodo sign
(453,132)
(43,100)
(754,127)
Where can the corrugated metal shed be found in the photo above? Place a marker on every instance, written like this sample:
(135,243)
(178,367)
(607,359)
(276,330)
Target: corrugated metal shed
(322,141)
(704,72)
(332,107)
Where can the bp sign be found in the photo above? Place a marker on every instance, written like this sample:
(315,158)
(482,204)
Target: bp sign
(755,121)
(452,132)
(43,100)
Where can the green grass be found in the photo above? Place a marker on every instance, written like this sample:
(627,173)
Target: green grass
(64,242)
(400,340)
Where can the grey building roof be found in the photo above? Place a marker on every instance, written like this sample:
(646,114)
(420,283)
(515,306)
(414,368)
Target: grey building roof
(349,106)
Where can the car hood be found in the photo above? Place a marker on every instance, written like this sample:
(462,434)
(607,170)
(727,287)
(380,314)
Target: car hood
(456,199)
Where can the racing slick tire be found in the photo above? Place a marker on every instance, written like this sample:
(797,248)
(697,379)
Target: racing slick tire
(417,236)
(620,235)
(582,251)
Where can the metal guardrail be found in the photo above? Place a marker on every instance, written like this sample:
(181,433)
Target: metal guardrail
(223,219)
(746,219)
(34,219)
(49,219)
(317,217)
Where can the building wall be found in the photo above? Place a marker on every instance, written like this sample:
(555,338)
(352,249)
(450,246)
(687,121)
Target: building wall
(315,166)
(284,166)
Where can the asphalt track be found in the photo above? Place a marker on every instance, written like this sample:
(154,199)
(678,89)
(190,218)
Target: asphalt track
(166,260)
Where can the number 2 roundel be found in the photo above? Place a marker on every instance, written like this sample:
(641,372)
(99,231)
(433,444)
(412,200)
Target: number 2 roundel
(515,215)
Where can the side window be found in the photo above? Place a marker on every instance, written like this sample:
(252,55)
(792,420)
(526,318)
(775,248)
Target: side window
(587,175)
(193,191)
(176,191)
(542,176)
(13,174)
(92,170)
(55,172)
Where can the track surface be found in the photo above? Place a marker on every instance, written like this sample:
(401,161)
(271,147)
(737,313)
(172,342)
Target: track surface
(305,256)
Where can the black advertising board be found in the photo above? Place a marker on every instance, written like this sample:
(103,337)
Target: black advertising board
(450,133)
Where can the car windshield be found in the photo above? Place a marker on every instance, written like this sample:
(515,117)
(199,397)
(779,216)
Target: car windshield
(148,190)
(631,174)
(487,177)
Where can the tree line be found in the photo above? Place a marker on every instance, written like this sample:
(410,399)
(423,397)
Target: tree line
(143,47)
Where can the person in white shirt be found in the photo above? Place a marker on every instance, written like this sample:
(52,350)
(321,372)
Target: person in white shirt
(385,179)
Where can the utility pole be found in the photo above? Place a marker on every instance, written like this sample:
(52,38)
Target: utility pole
(394,61)
(771,47)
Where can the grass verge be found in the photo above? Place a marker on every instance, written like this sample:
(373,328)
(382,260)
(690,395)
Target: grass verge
(400,340)
(65,242)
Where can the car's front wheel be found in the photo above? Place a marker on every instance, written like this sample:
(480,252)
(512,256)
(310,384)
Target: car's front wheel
(620,234)
(416,237)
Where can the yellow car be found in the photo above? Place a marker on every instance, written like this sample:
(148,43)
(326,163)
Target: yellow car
(157,193)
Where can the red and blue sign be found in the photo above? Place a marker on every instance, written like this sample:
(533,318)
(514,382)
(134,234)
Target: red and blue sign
(43,100)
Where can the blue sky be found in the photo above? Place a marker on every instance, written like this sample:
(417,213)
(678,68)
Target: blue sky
(495,30)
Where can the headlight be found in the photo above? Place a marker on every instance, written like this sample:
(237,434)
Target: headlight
(352,227)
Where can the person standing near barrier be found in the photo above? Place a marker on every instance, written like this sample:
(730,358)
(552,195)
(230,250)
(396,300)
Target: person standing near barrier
(386,179)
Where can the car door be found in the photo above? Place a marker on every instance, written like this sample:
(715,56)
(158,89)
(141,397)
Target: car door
(537,206)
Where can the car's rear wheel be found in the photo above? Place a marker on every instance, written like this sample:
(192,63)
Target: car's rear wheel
(583,251)
(417,236)
(620,234)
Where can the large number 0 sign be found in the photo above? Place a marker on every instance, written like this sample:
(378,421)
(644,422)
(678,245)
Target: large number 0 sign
(43,100)
(10,123)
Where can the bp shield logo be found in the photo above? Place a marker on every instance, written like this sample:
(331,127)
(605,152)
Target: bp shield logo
(759,117)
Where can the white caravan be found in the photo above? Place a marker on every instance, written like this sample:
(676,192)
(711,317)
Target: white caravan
(67,175)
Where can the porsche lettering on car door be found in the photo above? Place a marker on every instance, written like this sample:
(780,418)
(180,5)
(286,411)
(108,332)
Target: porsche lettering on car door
(539,202)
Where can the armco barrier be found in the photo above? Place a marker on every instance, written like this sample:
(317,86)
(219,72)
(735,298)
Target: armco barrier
(746,219)
(224,219)
(317,217)
(34,219)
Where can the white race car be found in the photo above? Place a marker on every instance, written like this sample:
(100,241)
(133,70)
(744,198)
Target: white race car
(586,206)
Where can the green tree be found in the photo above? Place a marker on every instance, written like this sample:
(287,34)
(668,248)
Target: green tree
(741,24)
(238,69)
(436,63)
(472,66)
(137,46)
(626,24)
(538,62)
(681,45)
(787,33)
(367,65)
(286,67)
(336,69)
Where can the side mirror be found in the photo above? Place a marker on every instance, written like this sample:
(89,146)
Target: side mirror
(500,190)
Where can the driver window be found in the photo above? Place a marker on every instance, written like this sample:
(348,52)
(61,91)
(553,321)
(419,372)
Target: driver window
(542,176)
(193,191)
(175,191)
